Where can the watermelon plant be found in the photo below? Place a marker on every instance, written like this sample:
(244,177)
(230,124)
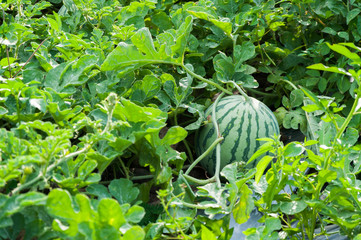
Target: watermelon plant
(101,103)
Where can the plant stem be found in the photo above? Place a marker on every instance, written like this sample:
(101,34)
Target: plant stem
(126,172)
(190,205)
(143,177)
(50,168)
(190,155)
(199,181)
(343,126)
(218,140)
(166,206)
(205,80)
(32,55)
(185,142)
(261,93)
(218,134)
(240,90)
(7,55)
(290,83)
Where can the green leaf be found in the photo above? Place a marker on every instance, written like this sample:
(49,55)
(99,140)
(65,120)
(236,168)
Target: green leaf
(350,137)
(134,233)
(326,132)
(245,205)
(59,204)
(296,98)
(206,14)
(98,190)
(54,25)
(31,199)
(261,166)
(129,111)
(224,67)
(271,224)
(329,31)
(352,14)
(261,150)
(223,24)
(126,57)
(137,10)
(135,214)
(174,135)
(243,53)
(123,190)
(6,61)
(230,172)
(143,41)
(111,213)
(145,89)
(207,234)
(182,36)
(293,207)
(344,51)
(293,149)
(165,175)
(344,35)
(295,119)
(326,175)
(196,110)
(175,93)
(162,21)
(86,168)
(343,84)
(3,111)
(320,66)
(69,74)
(313,98)
(322,84)
(280,114)
(351,45)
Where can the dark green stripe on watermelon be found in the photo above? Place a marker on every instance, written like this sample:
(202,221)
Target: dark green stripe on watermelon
(236,144)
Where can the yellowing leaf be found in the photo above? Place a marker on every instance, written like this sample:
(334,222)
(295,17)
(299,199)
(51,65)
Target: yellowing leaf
(207,234)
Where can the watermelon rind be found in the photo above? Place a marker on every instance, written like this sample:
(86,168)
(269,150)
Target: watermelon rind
(241,122)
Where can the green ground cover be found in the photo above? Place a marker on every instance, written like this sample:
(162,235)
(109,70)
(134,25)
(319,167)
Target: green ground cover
(100,102)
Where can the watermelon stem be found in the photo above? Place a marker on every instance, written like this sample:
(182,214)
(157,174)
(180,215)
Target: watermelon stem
(205,80)
(218,140)
(255,91)
(216,144)
(190,205)
(290,83)
(184,141)
(218,147)
(199,181)
(240,90)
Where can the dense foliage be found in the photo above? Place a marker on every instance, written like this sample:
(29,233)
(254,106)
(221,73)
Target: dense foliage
(100,101)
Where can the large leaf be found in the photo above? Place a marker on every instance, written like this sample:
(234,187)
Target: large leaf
(123,190)
(208,15)
(346,52)
(320,66)
(293,207)
(127,57)
(69,74)
(244,207)
(82,219)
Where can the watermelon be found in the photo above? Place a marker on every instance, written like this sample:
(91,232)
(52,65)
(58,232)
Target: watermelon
(241,122)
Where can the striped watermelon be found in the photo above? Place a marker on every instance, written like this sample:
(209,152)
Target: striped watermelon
(241,122)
